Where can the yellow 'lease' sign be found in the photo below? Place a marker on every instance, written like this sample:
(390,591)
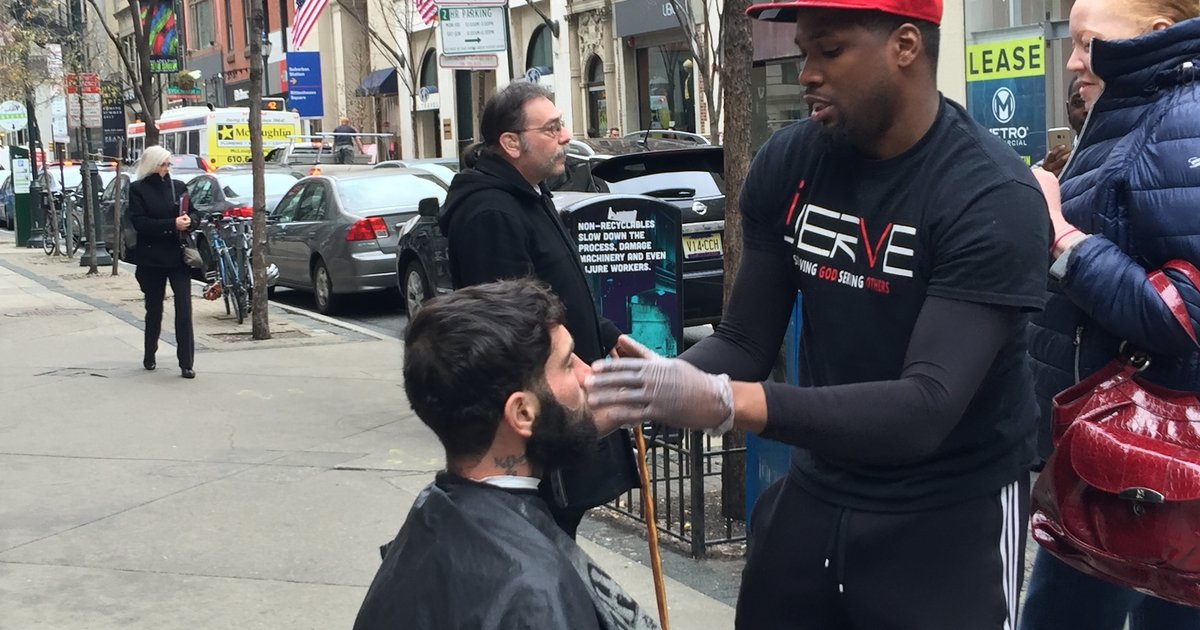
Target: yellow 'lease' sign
(1009,59)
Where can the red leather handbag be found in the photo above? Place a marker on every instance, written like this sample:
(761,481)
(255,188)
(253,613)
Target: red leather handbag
(1119,499)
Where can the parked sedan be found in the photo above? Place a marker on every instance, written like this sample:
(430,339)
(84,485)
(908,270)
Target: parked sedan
(445,169)
(232,193)
(337,235)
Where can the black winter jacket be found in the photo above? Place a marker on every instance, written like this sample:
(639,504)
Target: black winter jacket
(498,227)
(153,207)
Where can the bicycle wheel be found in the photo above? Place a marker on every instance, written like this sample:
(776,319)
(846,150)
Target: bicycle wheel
(233,288)
(49,241)
(223,279)
(71,244)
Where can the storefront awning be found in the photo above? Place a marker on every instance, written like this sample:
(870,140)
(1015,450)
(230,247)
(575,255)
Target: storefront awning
(377,83)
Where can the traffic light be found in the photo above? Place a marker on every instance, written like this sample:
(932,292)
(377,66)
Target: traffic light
(273,105)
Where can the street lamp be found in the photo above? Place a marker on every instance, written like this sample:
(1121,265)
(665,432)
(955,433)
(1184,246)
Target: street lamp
(266,53)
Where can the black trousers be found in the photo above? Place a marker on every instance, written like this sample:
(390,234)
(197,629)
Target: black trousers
(153,281)
(814,565)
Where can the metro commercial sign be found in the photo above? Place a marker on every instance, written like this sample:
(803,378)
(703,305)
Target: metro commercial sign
(1006,92)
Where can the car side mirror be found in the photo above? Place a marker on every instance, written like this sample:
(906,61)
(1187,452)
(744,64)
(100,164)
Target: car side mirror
(428,207)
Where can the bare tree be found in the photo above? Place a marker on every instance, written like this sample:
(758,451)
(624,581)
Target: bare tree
(402,16)
(143,89)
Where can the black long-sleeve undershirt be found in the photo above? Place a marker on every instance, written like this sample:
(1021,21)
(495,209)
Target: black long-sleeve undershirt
(953,345)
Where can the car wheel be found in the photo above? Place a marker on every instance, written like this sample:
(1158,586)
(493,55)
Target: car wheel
(323,288)
(416,287)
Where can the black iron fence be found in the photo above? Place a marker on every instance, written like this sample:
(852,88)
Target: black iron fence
(695,501)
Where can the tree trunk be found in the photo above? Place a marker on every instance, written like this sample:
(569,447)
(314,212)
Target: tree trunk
(146,86)
(736,83)
(260,326)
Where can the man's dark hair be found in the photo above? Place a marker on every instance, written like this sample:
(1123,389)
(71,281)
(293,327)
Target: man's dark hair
(465,353)
(505,110)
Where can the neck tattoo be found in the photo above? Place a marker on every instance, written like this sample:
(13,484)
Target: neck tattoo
(509,463)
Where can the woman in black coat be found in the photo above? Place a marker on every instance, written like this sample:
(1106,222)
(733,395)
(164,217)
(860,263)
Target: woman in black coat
(154,212)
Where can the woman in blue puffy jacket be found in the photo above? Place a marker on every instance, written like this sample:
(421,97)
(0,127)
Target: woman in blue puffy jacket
(1129,202)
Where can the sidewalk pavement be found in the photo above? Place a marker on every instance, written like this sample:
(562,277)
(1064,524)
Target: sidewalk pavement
(255,496)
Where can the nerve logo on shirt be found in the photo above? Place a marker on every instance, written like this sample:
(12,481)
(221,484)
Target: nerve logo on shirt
(846,249)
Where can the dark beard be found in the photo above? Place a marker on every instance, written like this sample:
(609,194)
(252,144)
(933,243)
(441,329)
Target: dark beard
(859,133)
(561,436)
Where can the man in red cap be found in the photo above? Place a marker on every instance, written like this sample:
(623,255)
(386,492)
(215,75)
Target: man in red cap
(919,242)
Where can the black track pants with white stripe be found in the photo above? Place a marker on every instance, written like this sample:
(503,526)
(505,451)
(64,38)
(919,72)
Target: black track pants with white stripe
(816,566)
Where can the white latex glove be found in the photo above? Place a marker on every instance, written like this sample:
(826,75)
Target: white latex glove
(669,391)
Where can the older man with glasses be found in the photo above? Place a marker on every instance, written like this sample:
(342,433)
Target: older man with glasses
(501,224)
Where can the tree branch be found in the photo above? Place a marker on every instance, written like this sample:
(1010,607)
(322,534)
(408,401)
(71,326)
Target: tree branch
(116,41)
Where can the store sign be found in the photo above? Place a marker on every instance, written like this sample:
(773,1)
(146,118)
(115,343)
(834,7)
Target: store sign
(428,99)
(1006,92)
(634,17)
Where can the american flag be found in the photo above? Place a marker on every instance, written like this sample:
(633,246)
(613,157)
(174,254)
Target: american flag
(307,12)
(428,10)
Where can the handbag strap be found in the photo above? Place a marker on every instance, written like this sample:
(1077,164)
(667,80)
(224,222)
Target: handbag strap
(1170,293)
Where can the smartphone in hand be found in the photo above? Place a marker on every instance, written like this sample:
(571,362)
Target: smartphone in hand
(1059,136)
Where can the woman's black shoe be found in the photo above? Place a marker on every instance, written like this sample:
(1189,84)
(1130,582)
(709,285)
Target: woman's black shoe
(148,364)
(189,373)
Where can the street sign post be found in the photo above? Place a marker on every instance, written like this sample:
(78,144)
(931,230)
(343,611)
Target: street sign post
(92,111)
(469,31)
(304,84)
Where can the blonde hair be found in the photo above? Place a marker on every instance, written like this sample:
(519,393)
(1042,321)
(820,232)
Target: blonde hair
(151,159)
(1174,10)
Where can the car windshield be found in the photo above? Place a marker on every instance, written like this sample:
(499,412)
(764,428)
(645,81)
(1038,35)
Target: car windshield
(705,184)
(243,185)
(364,194)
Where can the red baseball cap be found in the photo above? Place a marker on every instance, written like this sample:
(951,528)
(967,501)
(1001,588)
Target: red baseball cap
(927,10)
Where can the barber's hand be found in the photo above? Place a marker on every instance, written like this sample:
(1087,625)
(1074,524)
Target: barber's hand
(1056,159)
(183,222)
(669,391)
(629,348)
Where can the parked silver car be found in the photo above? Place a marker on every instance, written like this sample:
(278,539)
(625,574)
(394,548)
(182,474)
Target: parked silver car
(337,235)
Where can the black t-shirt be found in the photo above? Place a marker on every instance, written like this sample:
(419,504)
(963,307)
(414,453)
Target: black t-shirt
(343,141)
(958,216)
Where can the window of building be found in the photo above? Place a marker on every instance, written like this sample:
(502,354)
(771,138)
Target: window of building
(429,77)
(246,21)
(782,101)
(201,28)
(541,51)
(667,86)
(597,98)
(228,26)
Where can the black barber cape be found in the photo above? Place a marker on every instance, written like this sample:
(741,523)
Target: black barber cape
(472,556)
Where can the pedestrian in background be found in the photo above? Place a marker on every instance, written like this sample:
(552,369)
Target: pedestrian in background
(154,211)
(501,223)
(1128,204)
(346,143)
(918,240)
(614,132)
(1057,157)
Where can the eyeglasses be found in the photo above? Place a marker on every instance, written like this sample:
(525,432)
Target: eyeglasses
(552,128)
(1075,101)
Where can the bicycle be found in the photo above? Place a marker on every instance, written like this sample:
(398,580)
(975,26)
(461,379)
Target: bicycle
(232,275)
(64,231)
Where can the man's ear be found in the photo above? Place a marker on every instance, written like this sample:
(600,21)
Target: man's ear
(906,45)
(520,411)
(510,143)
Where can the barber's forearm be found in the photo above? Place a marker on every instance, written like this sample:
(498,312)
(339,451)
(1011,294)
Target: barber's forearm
(749,407)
